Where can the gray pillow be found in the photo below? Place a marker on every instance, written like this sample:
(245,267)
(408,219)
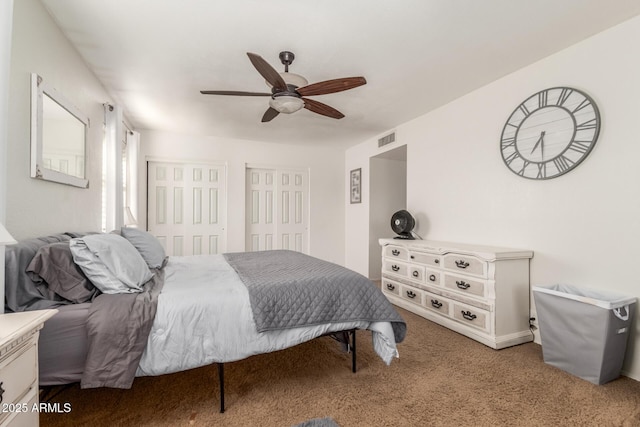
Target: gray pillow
(111,263)
(148,246)
(53,264)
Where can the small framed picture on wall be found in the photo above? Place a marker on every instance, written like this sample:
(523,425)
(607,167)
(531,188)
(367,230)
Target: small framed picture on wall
(356,186)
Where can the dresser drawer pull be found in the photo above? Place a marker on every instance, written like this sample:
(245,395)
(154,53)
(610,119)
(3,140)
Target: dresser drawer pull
(412,257)
(390,286)
(432,277)
(411,294)
(395,267)
(436,303)
(437,261)
(467,315)
(395,252)
(415,273)
(462,264)
(462,284)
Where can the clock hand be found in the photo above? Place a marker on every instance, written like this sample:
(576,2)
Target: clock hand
(539,142)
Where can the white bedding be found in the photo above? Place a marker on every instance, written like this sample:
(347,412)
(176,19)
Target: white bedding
(204,316)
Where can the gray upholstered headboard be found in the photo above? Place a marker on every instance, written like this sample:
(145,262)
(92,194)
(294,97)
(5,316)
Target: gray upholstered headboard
(21,293)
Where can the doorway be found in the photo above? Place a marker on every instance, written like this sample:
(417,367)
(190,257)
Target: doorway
(388,194)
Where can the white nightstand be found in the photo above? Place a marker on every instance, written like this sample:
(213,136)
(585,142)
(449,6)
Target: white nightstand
(19,366)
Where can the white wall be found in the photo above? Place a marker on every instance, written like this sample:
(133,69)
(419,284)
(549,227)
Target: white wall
(6,17)
(326,166)
(6,14)
(584,227)
(36,207)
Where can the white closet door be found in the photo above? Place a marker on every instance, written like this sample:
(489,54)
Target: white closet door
(186,207)
(277,213)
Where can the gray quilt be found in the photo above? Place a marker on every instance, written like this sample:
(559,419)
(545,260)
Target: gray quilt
(289,289)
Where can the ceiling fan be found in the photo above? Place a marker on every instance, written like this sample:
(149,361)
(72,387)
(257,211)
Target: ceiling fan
(289,90)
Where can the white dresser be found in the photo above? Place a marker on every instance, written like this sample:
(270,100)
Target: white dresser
(479,291)
(19,367)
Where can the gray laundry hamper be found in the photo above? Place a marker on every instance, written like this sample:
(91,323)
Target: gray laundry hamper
(584,331)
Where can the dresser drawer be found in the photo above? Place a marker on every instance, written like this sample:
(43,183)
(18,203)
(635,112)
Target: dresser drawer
(411,294)
(395,267)
(416,272)
(426,259)
(432,277)
(396,252)
(437,303)
(464,285)
(471,316)
(465,264)
(390,287)
(18,373)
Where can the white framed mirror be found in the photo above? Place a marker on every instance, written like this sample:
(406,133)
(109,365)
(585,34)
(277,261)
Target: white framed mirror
(58,136)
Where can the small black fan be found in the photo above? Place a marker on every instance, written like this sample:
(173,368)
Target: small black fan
(402,223)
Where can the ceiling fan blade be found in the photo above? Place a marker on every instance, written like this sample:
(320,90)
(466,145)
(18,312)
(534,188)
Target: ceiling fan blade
(267,71)
(320,108)
(269,115)
(331,86)
(233,92)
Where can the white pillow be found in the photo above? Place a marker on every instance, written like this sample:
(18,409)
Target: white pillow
(111,263)
(147,244)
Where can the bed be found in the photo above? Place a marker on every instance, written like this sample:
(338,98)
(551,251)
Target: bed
(126,310)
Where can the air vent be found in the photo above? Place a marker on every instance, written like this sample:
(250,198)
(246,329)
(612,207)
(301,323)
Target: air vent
(388,139)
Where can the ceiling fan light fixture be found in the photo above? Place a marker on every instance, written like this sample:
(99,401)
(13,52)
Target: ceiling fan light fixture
(294,79)
(291,79)
(286,104)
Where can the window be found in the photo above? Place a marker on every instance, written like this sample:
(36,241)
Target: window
(119,184)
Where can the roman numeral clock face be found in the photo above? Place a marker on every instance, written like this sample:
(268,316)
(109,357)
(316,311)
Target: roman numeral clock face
(550,133)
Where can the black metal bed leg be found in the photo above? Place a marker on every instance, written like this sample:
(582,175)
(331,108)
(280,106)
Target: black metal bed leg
(353,351)
(221,381)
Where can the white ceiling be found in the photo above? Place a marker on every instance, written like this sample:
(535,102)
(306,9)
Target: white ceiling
(154,56)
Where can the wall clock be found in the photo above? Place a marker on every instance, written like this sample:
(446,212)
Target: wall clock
(550,133)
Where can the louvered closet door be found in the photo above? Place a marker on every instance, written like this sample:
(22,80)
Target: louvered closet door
(277,209)
(186,207)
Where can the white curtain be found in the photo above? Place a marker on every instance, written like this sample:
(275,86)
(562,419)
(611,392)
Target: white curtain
(112,199)
(131,178)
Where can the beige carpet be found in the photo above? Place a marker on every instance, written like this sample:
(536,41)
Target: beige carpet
(441,379)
